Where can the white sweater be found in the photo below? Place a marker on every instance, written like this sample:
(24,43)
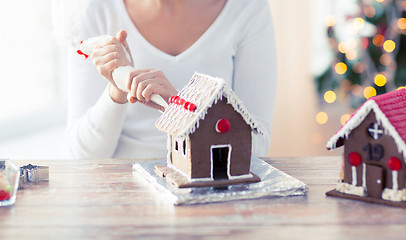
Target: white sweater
(238,47)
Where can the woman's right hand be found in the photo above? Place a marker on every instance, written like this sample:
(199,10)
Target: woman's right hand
(109,55)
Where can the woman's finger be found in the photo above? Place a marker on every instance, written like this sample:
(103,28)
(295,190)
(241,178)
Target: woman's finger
(131,82)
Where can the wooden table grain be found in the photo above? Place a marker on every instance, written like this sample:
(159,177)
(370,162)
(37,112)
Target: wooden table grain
(104,199)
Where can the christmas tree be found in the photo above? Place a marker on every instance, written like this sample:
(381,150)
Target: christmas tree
(369,48)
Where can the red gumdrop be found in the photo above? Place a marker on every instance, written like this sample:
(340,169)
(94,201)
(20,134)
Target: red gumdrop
(394,164)
(191,107)
(354,159)
(223,125)
(4,195)
(171,99)
(181,101)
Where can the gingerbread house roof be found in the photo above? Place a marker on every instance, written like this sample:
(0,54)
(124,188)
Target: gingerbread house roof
(390,112)
(203,92)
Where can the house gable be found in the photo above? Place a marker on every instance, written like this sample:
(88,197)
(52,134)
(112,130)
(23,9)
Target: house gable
(390,113)
(238,137)
(374,150)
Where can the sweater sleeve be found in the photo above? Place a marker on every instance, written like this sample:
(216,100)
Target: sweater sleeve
(95,122)
(255,72)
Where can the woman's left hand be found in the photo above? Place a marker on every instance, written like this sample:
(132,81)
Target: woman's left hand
(144,82)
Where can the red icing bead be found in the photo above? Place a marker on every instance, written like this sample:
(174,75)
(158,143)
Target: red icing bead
(171,99)
(181,101)
(354,159)
(223,125)
(191,107)
(394,164)
(176,99)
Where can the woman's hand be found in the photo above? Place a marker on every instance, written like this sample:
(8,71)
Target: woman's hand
(144,82)
(109,55)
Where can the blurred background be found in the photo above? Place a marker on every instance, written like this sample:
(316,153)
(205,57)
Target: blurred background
(332,56)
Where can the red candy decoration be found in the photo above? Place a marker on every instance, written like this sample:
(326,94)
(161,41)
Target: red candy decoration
(394,164)
(4,195)
(223,125)
(182,102)
(81,53)
(176,99)
(191,107)
(354,159)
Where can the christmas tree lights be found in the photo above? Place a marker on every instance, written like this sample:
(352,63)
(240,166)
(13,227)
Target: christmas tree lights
(369,48)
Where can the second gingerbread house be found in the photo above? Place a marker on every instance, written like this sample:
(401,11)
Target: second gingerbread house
(374,141)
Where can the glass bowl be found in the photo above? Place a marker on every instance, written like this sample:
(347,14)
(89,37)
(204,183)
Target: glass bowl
(9,179)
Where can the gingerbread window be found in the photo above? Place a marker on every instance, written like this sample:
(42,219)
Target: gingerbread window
(375,131)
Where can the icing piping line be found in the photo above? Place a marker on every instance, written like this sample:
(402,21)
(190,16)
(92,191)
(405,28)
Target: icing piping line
(357,119)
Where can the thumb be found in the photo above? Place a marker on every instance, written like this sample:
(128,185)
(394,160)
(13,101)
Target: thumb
(121,36)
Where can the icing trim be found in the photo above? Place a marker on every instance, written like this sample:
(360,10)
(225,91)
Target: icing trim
(359,117)
(228,158)
(204,91)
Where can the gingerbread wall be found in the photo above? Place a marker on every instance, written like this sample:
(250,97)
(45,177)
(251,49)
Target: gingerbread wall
(373,152)
(239,137)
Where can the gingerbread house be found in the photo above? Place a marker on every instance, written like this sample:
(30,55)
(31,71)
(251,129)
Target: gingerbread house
(374,151)
(209,135)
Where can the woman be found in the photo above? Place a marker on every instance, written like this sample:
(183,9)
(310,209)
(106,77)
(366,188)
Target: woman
(168,40)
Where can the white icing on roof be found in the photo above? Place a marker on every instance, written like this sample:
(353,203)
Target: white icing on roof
(359,117)
(203,91)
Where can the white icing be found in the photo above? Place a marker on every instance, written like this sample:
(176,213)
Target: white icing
(354,175)
(395,180)
(364,177)
(359,117)
(203,91)
(394,195)
(350,189)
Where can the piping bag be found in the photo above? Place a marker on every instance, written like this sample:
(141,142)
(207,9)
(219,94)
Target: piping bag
(119,74)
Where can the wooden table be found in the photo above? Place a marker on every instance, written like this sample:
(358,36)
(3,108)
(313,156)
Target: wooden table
(103,199)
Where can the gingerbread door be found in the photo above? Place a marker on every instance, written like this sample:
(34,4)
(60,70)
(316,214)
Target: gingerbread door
(220,158)
(374,180)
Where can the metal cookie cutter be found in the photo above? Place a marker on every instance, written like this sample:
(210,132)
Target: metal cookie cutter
(32,174)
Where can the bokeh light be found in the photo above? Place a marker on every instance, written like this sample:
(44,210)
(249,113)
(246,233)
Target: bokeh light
(344,118)
(330,20)
(330,96)
(378,40)
(358,67)
(321,117)
(351,55)
(356,90)
(369,92)
(402,23)
(370,11)
(358,23)
(342,47)
(341,68)
(380,80)
(385,59)
(389,45)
